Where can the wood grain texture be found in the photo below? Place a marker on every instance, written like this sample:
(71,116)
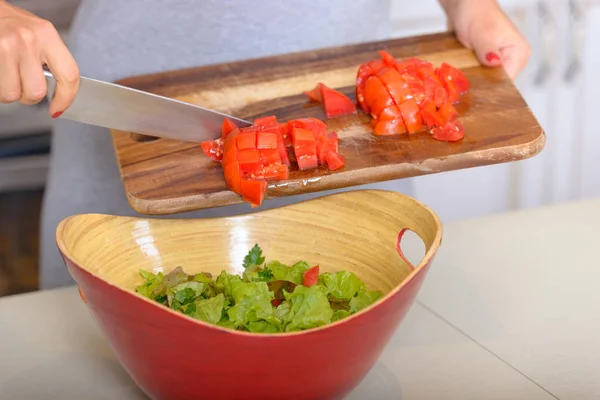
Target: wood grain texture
(164,176)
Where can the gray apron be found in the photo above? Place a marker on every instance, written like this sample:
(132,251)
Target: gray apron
(113,39)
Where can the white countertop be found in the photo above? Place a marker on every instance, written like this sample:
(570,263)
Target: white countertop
(510,310)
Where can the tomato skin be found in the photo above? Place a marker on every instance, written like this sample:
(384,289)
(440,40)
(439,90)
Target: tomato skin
(314,94)
(265,121)
(227,127)
(411,115)
(308,161)
(233,177)
(389,127)
(253,191)
(450,132)
(213,149)
(266,140)
(246,141)
(310,276)
(334,161)
(336,103)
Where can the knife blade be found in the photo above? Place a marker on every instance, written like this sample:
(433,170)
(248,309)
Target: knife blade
(118,107)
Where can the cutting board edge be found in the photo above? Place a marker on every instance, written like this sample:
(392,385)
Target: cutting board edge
(173,206)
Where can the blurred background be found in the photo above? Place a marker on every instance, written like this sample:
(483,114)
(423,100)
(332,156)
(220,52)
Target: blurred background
(559,84)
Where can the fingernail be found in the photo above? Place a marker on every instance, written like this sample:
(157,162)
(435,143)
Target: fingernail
(57,114)
(491,56)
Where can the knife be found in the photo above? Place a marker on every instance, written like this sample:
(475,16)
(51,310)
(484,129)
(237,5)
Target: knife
(121,108)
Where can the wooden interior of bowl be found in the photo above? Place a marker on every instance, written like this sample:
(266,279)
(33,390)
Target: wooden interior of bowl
(355,231)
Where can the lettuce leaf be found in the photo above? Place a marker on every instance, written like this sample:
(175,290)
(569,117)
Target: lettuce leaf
(364,299)
(309,308)
(208,310)
(282,272)
(184,293)
(152,282)
(225,281)
(341,285)
(252,302)
(339,314)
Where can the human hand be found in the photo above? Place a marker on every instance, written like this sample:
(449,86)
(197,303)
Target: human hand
(482,25)
(27,42)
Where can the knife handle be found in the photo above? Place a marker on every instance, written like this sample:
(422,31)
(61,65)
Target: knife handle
(51,83)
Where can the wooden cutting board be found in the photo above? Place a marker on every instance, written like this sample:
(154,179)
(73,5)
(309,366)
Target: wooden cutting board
(162,176)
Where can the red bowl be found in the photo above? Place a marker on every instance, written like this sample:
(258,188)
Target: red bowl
(172,356)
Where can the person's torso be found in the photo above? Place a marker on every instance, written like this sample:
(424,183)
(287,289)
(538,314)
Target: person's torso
(111,39)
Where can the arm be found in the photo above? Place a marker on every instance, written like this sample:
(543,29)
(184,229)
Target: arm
(28,42)
(483,26)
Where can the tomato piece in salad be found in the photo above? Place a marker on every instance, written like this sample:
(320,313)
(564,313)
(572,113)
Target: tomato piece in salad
(310,276)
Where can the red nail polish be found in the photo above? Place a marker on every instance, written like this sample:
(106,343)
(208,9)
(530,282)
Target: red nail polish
(57,114)
(491,56)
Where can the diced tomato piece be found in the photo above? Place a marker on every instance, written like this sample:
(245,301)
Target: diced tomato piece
(316,126)
(364,72)
(374,91)
(314,94)
(253,191)
(233,177)
(307,161)
(283,154)
(266,140)
(213,149)
(450,132)
(246,141)
(450,74)
(432,118)
(230,156)
(326,145)
(411,115)
(276,302)
(387,58)
(447,112)
(269,156)
(336,103)
(249,160)
(310,276)
(334,161)
(399,92)
(302,136)
(389,127)
(265,121)
(227,127)
(276,172)
(389,75)
(308,149)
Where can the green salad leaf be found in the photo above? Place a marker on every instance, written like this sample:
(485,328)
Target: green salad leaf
(265,298)
(341,285)
(254,257)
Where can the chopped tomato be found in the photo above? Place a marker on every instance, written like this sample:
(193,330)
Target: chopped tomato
(227,127)
(387,58)
(336,103)
(450,132)
(276,172)
(213,149)
(364,73)
(249,160)
(265,121)
(447,112)
(302,136)
(276,302)
(314,94)
(308,161)
(411,115)
(310,276)
(389,127)
(253,191)
(266,140)
(450,74)
(334,160)
(246,141)
(233,176)
(269,156)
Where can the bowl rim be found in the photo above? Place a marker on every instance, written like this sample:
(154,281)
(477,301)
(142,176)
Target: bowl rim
(427,258)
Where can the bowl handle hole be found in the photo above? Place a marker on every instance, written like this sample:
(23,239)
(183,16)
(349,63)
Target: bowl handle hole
(410,247)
